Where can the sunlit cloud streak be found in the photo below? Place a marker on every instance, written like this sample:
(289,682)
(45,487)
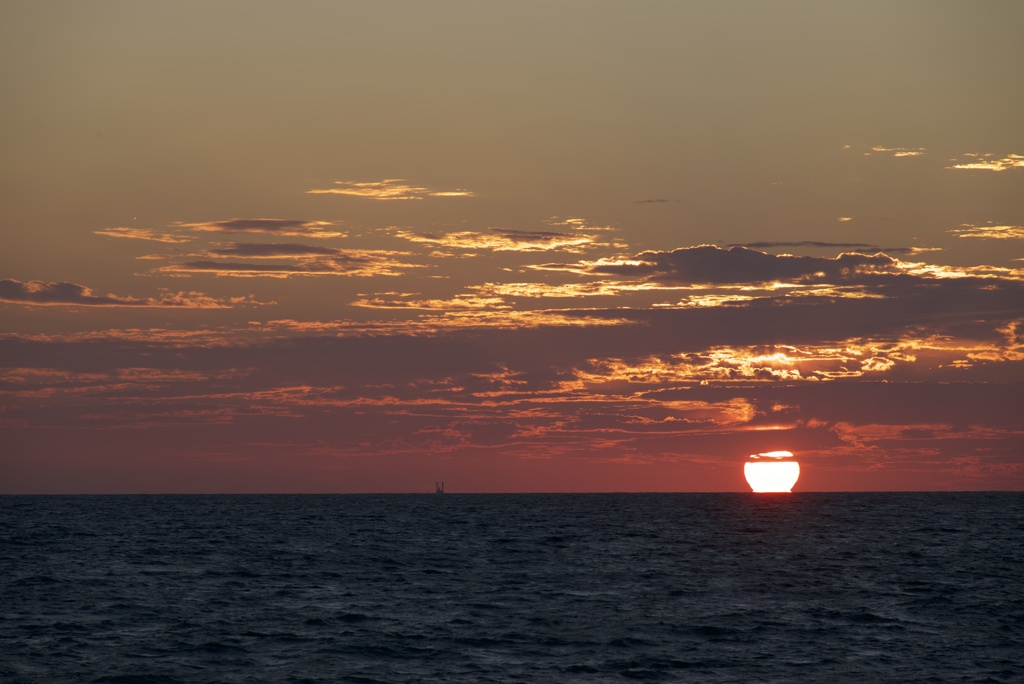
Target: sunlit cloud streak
(898,151)
(457,303)
(386,190)
(989,232)
(52,382)
(860,246)
(166,337)
(772,454)
(450,320)
(989,162)
(808,363)
(39,293)
(276,250)
(710,265)
(506,240)
(268,226)
(708,300)
(602,288)
(577,223)
(354,263)
(267,250)
(309,260)
(512,319)
(814,244)
(143,234)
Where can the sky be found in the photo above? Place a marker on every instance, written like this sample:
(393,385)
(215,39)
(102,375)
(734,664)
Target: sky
(553,246)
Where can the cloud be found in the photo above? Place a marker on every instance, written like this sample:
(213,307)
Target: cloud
(387,189)
(449,320)
(712,265)
(989,162)
(711,299)
(167,337)
(275,250)
(810,362)
(269,226)
(709,266)
(576,223)
(308,260)
(861,246)
(898,151)
(354,263)
(505,240)
(51,382)
(143,234)
(603,288)
(772,454)
(457,303)
(989,232)
(39,293)
(857,246)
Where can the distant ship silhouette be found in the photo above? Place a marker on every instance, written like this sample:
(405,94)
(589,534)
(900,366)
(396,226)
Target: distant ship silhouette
(439,488)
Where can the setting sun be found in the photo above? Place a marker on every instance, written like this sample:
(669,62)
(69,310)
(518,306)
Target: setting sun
(773,471)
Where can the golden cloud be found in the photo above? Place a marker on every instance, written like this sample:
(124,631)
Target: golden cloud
(601,288)
(457,303)
(852,359)
(597,288)
(504,240)
(899,151)
(989,232)
(708,300)
(143,234)
(43,383)
(307,261)
(452,319)
(989,162)
(39,293)
(387,190)
(711,266)
(268,226)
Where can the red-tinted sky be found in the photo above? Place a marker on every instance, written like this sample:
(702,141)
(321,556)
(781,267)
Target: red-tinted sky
(531,246)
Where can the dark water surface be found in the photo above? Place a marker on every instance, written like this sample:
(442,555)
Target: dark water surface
(499,588)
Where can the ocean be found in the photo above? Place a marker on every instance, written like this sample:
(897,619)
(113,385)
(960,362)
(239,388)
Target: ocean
(804,587)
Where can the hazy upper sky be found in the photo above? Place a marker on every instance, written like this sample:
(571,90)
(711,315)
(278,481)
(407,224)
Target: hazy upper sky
(530,246)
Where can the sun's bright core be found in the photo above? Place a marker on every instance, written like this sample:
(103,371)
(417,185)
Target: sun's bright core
(776,474)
